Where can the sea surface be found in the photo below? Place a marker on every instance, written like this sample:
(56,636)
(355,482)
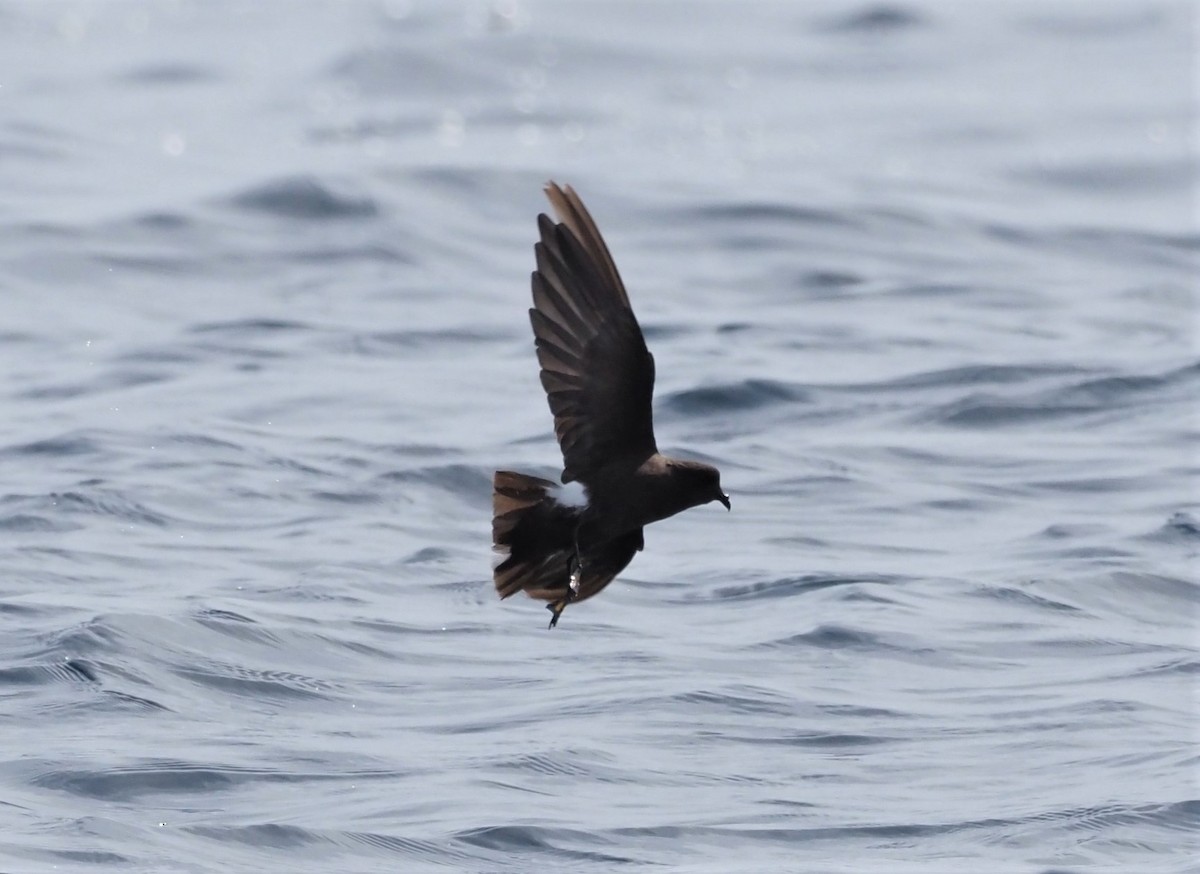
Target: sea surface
(920,278)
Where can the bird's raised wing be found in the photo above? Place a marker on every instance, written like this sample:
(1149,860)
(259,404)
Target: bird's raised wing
(596,369)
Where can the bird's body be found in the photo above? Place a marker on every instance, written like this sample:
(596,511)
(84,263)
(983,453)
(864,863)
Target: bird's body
(599,380)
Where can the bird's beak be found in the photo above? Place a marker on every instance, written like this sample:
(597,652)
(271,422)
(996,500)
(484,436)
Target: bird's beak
(724,499)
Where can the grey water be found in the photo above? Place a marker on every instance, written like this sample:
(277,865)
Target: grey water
(920,278)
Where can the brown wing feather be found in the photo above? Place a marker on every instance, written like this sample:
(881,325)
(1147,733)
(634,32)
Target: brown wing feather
(596,369)
(572,213)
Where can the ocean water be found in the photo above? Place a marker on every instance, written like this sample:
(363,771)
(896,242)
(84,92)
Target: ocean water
(920,278)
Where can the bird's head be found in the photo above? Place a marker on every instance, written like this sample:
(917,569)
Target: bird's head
(703,483)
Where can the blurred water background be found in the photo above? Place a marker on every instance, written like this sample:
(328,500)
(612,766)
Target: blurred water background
(921,279)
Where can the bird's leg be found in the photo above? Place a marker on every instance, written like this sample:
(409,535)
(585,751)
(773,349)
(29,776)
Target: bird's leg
(576,575)
(576,568)
(557,607)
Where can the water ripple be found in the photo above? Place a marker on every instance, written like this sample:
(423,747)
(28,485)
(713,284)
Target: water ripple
(304,198)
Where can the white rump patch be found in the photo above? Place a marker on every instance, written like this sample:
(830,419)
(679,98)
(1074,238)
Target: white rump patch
(572,495)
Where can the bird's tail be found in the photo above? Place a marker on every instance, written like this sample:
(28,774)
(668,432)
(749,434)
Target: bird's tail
(533,534)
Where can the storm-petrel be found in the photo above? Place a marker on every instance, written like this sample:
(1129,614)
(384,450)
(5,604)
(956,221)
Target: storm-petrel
(599,379)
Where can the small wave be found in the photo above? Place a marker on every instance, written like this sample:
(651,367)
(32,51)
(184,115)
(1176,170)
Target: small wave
(748,394)
(875,20)
(80,670)
(134,702)
(433,851)
(427,555)
(984,410)
(1155,250)
(107,503)
(459,479)
(1185,242)
(384,343)
(740,699)
(833,637)
(93,857)
(93,636)
(34,513)
(113,381)
(220,617)
(262,835)
(789,586)
(1092,21)
(567,766)
(31,523)
(130,783)
(521,839)
(1180,816)
(815,739)
(1127,247)
(829,279)
(67,671)
(1020,596)
(352,498)
(304,198)
(741,214)
(1110,176)
(976,374)
(1089,396)
(259,685)
(163,221)
(203,441)
(169,74)
(249,327)
(1181,528)
(1183,666)
(64,446)
(389,70)
(32,142)
(1109,391)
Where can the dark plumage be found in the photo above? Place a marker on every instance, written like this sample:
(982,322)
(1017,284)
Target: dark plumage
(599,380)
